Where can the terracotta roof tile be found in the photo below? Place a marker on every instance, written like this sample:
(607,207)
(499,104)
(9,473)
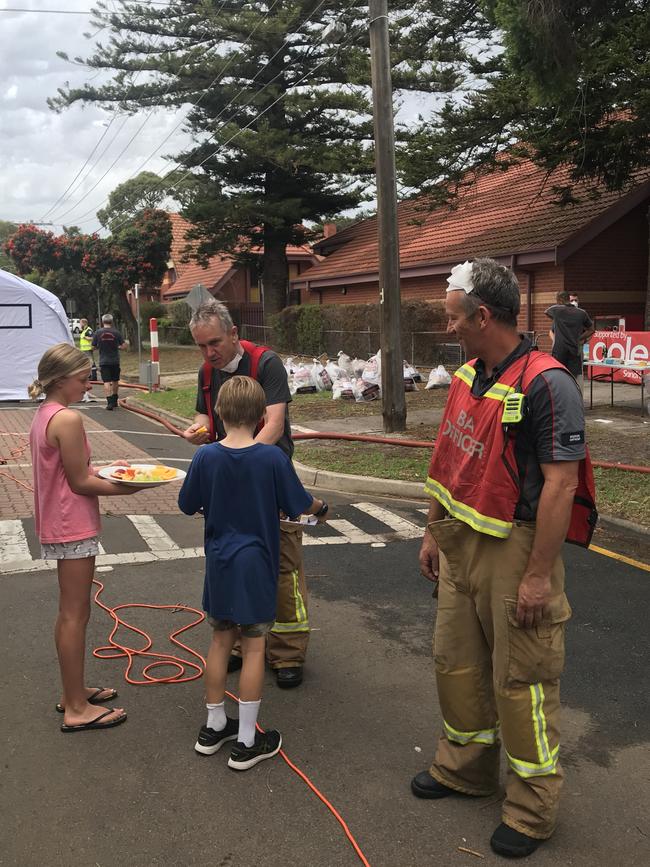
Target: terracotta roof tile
(506,212)
(188,274)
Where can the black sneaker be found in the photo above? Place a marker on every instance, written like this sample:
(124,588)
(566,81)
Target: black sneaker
(266,746)
(209,741)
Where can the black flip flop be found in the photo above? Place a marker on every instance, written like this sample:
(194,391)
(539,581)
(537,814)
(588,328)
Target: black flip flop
(95,723)
(94,698)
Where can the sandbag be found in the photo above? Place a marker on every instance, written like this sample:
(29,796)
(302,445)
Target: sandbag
(438,378)
(345,363)
(372,371)
(302,380)
(343,389)
(320,378)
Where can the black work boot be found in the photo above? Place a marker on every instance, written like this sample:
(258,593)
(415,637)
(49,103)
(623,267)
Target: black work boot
(423,785)
(513,844)
(109,402)
(114,399)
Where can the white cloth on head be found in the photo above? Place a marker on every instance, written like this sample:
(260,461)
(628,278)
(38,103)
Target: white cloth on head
(461,278)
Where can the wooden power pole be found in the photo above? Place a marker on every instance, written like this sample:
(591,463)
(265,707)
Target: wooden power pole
(392,372)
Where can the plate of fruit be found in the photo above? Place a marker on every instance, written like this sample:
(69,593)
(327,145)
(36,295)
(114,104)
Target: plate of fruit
(142,475)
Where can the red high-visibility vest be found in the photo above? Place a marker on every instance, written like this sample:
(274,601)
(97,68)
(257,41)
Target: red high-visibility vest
(255,353)
(473,471)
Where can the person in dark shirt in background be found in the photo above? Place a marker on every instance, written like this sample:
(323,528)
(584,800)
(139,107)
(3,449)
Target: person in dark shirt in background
(109,341)
(571,328)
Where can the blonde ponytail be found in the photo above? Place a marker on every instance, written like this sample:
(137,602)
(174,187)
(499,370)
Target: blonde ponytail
(57,363)
(35,390)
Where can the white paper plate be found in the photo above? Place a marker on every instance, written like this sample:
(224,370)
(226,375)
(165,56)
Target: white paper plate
(107,473)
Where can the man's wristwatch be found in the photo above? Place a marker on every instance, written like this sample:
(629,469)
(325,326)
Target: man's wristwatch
(322,511)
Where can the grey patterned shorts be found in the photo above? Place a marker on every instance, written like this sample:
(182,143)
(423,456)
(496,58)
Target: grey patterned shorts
(248,630)
(70,550)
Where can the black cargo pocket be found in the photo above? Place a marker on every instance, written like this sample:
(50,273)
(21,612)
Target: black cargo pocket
(536,655)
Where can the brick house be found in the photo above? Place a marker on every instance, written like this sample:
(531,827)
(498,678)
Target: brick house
(597,248)
(225,278)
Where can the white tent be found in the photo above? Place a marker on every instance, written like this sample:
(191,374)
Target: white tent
(31,320)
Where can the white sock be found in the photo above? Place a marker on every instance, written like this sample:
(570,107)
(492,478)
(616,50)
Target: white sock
(248,711)
(216,717)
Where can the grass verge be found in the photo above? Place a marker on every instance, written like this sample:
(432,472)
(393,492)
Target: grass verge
(178,400)
(304,407)
(625,495)
(363,459)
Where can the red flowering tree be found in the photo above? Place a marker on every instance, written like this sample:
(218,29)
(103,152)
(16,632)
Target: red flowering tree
(138,253)
(32,249)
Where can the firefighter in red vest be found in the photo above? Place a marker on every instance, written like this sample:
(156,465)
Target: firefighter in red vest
(224,356)
(509,480)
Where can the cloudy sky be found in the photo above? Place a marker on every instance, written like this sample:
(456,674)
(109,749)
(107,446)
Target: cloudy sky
(41,152)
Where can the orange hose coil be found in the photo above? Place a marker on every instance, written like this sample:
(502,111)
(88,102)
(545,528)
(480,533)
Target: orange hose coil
(117,650)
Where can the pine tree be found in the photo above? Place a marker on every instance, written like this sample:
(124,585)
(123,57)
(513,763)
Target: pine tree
(281,117)
(571,87)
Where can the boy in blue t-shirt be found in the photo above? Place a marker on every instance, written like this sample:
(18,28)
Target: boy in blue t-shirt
(241,486)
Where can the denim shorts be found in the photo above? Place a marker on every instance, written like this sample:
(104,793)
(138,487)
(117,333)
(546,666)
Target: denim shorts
(76,550)
(248,630)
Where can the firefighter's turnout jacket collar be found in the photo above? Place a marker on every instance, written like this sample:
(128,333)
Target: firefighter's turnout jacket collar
(473,470)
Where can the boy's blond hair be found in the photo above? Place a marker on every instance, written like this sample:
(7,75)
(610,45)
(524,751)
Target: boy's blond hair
(57,363)
(241,402)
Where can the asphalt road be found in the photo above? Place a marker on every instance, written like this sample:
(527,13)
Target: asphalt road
(364,721)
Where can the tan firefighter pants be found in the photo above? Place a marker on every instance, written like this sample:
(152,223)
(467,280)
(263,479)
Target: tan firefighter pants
(497,681)
(286,643)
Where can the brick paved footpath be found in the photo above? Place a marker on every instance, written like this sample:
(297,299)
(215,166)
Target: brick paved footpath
(16,501)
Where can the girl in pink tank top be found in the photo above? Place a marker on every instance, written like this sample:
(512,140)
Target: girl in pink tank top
(66,508)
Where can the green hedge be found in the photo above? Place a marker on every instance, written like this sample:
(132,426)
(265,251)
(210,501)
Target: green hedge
(311,329)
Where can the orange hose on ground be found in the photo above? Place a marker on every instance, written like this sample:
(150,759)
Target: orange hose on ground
(363,438)
(15,454)
(121,384)
(116,650)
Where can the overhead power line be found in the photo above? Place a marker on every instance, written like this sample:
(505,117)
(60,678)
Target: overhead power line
(218,77)
(64,195)
(260,114)
(81,219)
(72,11)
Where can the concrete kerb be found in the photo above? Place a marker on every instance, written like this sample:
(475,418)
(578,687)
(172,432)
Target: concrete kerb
(349,484)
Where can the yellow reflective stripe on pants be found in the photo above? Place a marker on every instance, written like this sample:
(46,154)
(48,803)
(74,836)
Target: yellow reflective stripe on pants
(482,736)
(477,521)
(532,769)
(547,757)
(539,722)
(301,623)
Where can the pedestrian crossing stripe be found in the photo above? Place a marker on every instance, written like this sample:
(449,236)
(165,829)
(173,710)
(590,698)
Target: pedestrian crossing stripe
(15,556)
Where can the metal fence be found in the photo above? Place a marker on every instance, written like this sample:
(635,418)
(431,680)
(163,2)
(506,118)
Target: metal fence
(422,348)
(256,333)
(431,348)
